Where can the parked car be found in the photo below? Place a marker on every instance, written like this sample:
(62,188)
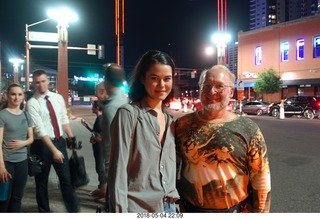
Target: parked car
(255,107)
(307,106)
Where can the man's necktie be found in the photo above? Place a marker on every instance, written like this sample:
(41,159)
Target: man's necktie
(53,118)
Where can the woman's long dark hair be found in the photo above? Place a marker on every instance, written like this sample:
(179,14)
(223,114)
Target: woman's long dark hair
(137,90)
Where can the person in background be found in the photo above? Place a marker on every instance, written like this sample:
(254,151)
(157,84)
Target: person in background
(142,176)
(102,96)
(113,81)
(3,101)
(222,157)
(49,142)
(16,135)
(95,140)
(101,93)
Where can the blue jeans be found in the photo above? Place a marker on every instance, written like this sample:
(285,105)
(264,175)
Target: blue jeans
(99,163)
(62,170)
(169,207)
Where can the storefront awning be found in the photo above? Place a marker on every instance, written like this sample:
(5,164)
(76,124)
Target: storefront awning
(301,82)
(246,84)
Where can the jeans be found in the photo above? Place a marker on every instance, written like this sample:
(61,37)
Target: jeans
(99,162)
(19,173)
(62,170)
(169,207)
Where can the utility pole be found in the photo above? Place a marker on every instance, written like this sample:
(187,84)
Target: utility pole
(119,30)
(0,69)
(62,80)
(222,29)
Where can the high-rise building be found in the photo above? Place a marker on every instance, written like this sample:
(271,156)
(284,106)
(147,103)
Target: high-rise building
(233,58)
(268,12)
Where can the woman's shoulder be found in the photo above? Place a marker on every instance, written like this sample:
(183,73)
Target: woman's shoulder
(4,111)
(129,107)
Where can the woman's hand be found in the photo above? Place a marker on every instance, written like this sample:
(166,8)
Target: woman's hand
(16,144)
(4,175)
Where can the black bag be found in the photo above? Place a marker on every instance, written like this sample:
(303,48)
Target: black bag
(34,165)
(78,171)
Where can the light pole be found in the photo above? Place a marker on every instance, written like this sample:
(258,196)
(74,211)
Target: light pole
(62,16)
(221,39)
(27,52)
(16,63)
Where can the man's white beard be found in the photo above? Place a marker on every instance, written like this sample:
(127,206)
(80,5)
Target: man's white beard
(217,106)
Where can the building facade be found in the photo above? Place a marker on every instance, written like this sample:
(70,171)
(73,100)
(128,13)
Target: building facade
(292,49)
(264,13)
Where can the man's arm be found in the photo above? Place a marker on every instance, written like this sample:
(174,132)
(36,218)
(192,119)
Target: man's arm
(40,130)
(259,171)
(86,125)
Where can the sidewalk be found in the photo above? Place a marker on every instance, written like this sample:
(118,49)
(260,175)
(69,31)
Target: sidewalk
(87,203)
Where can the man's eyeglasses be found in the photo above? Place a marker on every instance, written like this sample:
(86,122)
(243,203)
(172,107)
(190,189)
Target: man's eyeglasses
(219,88)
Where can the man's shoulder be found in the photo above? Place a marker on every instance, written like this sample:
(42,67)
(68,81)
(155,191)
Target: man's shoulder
(54,94)
(32,100)
(187,117)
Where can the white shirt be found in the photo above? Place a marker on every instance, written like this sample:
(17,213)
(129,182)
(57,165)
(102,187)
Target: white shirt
(37,108)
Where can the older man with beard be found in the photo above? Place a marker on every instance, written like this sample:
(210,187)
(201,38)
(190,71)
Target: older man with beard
(222,157)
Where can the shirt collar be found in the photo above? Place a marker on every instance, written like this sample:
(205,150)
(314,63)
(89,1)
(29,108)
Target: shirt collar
(143,104)
(37,95)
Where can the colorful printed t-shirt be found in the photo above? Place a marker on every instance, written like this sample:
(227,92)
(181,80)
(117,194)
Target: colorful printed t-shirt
(219,163)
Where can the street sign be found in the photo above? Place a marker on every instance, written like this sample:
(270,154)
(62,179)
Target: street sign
(240,84)
(43,36)
(91,49)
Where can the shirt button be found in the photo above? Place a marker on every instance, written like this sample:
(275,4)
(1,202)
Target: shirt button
(164,182)
(161,166)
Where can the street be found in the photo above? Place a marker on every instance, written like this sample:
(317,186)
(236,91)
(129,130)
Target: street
(293,149)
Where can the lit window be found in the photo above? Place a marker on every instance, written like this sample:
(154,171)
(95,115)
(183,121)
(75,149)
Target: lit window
(316,47)
(300,49)
(284,51)
(258,55)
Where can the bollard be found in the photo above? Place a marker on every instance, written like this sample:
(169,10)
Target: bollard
(282,110)
(185,108)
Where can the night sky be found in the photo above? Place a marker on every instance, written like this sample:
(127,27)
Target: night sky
(181,28)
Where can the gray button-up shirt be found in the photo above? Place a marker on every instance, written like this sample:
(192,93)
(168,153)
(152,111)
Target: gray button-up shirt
(141,175)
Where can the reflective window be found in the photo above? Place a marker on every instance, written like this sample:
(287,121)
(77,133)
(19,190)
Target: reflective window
(258,55)
(316,47)
(300,49)
(284,51)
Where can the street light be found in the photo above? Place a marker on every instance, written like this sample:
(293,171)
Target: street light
(16,63)
(62,16)
(27,51)
(221,39)
(209,50)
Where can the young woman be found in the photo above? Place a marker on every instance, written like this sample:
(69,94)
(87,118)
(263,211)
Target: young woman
(15,135)
(142,171)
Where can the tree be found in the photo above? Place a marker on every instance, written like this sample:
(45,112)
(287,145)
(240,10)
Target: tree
(268,82)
